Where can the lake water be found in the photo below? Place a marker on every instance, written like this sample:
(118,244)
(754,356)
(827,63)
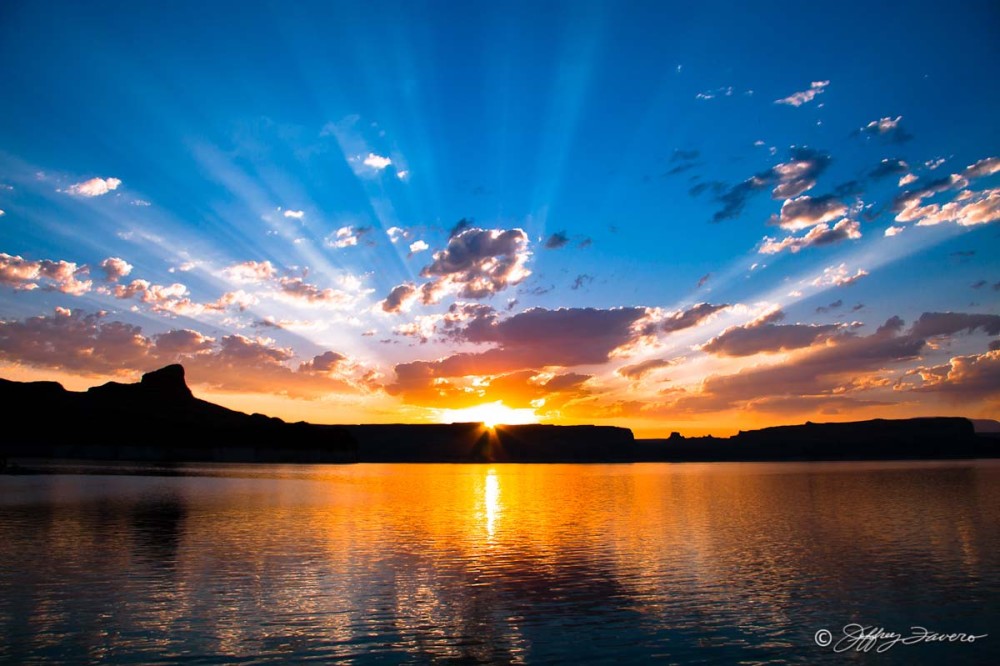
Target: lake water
(719,563)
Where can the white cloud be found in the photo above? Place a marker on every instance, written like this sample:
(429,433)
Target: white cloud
(907,179)
(418,246)
(800,98)
(403,175)
(396,233)
(94,187)
(838,276)
(295,214)
(724,91)
(822,234)
(893,231)
(377,162)
(248,271)
(882,125)
(343,237)
(183,268)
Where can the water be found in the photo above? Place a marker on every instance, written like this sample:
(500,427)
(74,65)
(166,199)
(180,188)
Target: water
(719,563)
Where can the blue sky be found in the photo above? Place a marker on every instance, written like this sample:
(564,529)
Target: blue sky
(616,164)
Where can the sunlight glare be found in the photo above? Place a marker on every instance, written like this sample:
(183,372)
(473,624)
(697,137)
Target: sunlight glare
(489,414)
(492,501)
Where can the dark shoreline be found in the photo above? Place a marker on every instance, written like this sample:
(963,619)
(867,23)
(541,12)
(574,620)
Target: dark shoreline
(159,421)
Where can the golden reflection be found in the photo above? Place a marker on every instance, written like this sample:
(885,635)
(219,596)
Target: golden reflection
(473,562)
(491,498)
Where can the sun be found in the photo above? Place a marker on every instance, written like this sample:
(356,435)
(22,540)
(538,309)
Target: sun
(489,414)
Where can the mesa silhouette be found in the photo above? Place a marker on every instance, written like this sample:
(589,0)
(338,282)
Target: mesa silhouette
(160,420)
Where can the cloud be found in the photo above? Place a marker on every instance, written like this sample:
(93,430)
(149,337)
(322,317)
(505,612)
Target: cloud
(347,236)
(26,275)
(805,212)
(889,167)
(703,280)
(174,298)
(449,324)
(979,208)
(786,180)
(74,341)
(982,168)
(819,235)
(400,298)
(842,365)
(890,129)
(763,336)
(800,98)
(115,268)
(249,272)
(684,319)
(834,367)
(967,208)
(907,179)
(290,288)
(294,214)
(298,290)
(800,173)
(376,162)
(94,187)
(724,91)
(823,309)
(531,340)
(933,324)
(326,362)
(418,246)
(92,344)
(396,234)
(478,263)
(640,370)
(972,377)
(556,240)
(182,341)
(838,276)
(460,226)
(581,280)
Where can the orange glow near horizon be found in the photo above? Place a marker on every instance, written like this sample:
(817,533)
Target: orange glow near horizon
(489,414)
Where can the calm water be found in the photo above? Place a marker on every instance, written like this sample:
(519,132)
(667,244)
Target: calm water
(506,563)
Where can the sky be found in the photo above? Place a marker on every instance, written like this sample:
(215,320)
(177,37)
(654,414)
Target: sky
(692,217)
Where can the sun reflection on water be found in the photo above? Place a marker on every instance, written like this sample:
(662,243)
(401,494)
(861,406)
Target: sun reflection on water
(491,498)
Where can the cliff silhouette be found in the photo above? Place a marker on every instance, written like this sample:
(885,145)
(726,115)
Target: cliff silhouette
(158,419)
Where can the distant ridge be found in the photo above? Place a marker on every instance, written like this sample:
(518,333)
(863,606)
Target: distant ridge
(159,419)
(986,425)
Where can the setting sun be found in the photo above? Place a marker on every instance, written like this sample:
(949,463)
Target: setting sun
(489,414)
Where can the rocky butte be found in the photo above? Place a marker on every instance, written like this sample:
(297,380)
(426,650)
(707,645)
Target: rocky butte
(160,420)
